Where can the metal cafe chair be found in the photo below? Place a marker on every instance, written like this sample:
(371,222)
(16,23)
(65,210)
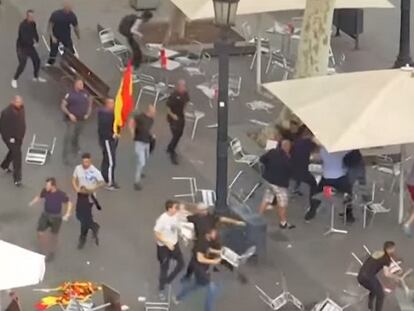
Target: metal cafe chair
(240,156)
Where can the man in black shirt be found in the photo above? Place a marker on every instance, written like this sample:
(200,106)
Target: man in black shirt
(278,172)
(108,140)
(12,131)
(205,256)
(26,40)
(140,127)
(176,104)
(52,215)
(203,222)
(367,275)
(59,30)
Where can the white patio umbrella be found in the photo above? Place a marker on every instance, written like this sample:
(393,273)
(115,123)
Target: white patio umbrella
(354,110)
(19,267)
(203,9)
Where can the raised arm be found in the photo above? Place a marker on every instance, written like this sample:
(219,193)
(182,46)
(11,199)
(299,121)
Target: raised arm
(201,258)
(231,221)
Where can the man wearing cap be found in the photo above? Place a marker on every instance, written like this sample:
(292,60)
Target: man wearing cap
(203,222)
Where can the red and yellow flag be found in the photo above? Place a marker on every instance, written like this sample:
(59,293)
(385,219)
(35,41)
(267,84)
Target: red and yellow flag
(123,101)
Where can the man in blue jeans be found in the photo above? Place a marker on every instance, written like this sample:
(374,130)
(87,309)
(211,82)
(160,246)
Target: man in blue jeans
(204,257)
(140,127)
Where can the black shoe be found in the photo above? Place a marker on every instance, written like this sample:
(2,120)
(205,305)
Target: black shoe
(350,219)
(137,187)
(310,214)
(174,159)
(18,183)
(81,244)
(287,226)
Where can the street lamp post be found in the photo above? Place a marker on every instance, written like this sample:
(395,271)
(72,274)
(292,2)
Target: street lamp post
(225,15)
(404,55)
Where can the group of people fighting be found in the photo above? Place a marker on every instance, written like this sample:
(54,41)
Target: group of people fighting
(77,107)
(290,160)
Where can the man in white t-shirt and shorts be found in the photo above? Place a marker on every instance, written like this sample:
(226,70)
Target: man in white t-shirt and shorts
(86,180)
(166,234)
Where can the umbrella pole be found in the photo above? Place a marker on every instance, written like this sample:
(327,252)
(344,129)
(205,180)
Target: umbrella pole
(402,187)
(259,55)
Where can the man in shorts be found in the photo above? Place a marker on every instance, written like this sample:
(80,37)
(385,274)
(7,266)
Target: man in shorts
(278,172)
(51,217)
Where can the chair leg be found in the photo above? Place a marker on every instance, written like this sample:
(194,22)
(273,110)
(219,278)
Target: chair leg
(269,62)
(364,222)
(253,60)
(371,221)
(138,99)
(156,99)
(194,128)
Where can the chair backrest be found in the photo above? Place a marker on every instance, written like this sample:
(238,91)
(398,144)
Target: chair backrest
(236,146)
(275,42)
(235,85)
(107,36)
(145,79)
(196,50)
(265,297)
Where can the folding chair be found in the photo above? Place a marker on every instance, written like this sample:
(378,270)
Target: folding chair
(194,117)
(150,87)
(280,301)
(373,207)
(208,196)
(37,153)
(108,42)
(194,55)
(159,306)
(240,156)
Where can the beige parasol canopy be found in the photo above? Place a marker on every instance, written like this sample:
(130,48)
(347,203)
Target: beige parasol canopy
(203,9)
(353,110)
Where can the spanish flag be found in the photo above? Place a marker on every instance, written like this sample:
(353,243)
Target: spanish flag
(123,101)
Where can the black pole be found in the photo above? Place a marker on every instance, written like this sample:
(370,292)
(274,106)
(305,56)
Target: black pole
(223,47)
(404,55)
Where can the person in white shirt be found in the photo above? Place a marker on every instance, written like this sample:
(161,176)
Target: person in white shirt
(334,174)
(166,234)
(86,180)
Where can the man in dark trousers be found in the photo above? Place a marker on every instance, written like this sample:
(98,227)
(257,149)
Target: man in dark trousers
(59,30)
(176,104)
(86,180)
(367,275)
(77,107)
(26,40)
(278,172)
(12,131)
(108,140)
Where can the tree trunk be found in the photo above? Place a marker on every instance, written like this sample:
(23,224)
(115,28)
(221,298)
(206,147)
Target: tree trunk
(313,54)
(176,27)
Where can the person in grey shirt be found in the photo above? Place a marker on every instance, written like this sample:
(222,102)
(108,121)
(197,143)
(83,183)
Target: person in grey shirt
(77,107)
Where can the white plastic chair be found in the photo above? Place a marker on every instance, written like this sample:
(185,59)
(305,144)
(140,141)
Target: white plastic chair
(194,56)
(194,117)
(208,196)
(159,305)
(108,42)
(38,153)
(150,87)
(240,156)
(373,207)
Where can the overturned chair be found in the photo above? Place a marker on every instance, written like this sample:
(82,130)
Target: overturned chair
(38,153)
(280,301)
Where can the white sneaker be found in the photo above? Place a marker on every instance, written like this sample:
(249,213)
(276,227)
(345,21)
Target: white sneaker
(39,79)
(14,84)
